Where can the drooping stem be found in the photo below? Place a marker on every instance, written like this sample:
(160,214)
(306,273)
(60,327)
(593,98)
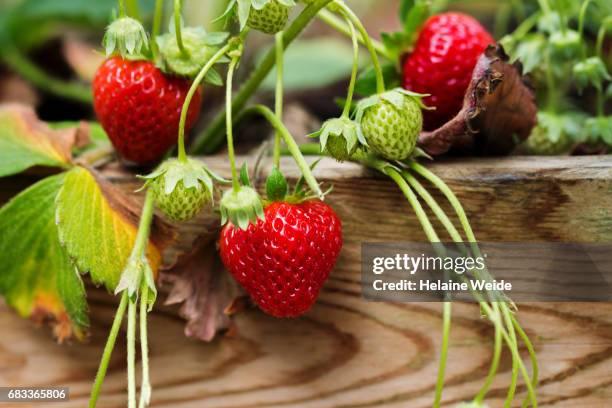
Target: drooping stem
(182,155)
(292,146)
(131,353)
(515,370)
(211,139)
(24,67)
(145,386)
(279,95)
(229,122)
(334,22)
(351,88)
(108,351)
(157,20)
(497,349)
(144,226)
(380,80)
(532,355)
(178,28)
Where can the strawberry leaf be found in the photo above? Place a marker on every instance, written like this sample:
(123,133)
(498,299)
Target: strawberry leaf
(25,141)
(37,278)
(203,287)
(98,224)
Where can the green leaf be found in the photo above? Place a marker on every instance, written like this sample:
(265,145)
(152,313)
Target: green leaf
(25,141)
(314,63)
(98,224)
(37,277)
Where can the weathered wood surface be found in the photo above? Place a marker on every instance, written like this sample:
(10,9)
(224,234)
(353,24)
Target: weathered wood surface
(348,352)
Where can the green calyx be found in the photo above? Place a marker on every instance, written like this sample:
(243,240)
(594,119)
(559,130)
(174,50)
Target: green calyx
(137,269)
(268,16)
(241,207)
(340,137)
(181,189)
(199,47)
(591,72)
(127,37)
(391,122)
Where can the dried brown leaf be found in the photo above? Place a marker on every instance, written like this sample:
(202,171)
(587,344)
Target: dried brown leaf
(499,110)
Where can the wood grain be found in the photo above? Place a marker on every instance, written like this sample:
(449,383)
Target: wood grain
(348,352)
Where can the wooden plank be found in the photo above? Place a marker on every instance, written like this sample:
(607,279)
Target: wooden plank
(348,352)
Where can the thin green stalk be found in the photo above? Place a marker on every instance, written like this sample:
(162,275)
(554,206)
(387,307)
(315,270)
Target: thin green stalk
(210,140)
(131,354)
(157,20)
(336,23)
(108,351)
(292,146)
(515,370)
(545,6)
(497,349)
(144,226)
(121,8)
(177,28)
(532,355)
(145,386)
(446,325)
(279,95)
(581,17)
(182,155)
(351,88)
(601,34)
(133,10)
(24,67)
(380,80)
(229,122)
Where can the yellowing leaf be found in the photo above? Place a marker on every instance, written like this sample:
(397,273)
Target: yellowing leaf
(25,141)
(98,224)
(37,277)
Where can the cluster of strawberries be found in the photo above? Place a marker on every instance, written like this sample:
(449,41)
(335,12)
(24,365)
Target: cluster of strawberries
(284,258)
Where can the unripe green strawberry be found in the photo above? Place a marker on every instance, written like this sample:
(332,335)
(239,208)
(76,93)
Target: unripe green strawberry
(270,19)
(181,188)
(339,137)
(391,123)
(183,203)
(336,147)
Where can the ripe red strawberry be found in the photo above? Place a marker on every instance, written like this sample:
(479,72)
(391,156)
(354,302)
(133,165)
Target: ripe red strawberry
(284,261)
(139,107)
(442,62)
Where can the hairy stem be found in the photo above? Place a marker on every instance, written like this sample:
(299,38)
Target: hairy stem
(108,351)
(133,10)
(121,4)
(230,124)
(279,95)
(380,80)
(24,67)
(182,155)
(351,88)
(292,146)
(210,140)
(334,22)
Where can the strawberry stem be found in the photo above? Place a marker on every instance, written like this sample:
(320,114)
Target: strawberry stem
(157,20)
(131,353)
(279,95)
(108,351)
(497,349)
(380,80)
(121,8)
(210,140)
(182,155)
(351,88)
(229,123)
(336,23)
(132,9)
(145,386)
(177,28)
(292,146)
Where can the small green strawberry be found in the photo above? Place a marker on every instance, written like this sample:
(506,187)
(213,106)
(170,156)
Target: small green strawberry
(267,16)
(339,137)
(181,189)
(199,45)
(391,122)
